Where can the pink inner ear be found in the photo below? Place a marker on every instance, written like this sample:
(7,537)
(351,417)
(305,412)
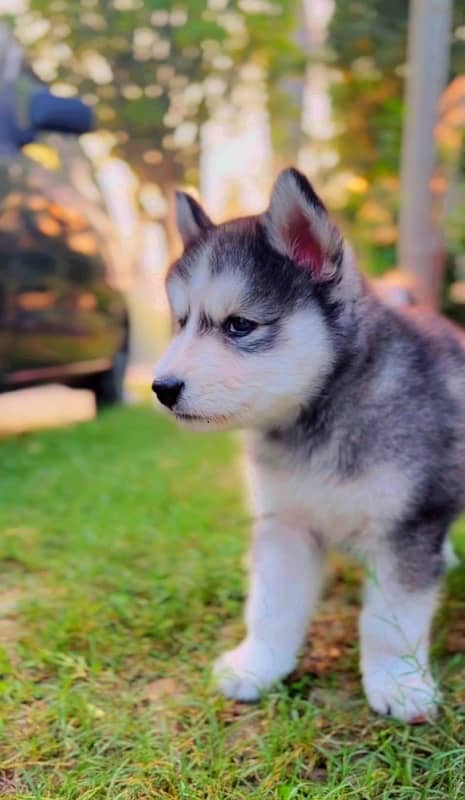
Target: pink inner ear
(306,251)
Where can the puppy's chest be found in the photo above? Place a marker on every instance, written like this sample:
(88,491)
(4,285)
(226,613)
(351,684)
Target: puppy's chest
(335,506)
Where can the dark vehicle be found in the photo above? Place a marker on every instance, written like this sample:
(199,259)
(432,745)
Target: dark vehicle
(62,316)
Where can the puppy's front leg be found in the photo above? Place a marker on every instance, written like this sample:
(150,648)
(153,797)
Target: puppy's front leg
(286,576)
(400,600)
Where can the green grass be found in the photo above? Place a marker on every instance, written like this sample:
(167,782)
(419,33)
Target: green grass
(122,577)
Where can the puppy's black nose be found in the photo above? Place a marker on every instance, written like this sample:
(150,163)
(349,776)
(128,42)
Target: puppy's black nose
(168,391)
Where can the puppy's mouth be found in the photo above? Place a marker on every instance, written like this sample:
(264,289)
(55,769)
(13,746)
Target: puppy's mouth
(191,417)
(203,421)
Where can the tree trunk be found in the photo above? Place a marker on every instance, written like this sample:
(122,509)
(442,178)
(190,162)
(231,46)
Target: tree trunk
(421,246)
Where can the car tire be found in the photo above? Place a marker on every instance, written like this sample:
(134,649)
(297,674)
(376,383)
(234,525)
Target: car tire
(109,386)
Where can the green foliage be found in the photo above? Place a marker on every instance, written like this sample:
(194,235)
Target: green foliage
(368,42)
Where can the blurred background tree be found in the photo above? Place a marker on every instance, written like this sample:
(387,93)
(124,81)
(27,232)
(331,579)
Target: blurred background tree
(156,70)
(368,40)
(175,85)
(223,92)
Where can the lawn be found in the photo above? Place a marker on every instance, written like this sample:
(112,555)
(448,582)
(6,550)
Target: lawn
(122,577)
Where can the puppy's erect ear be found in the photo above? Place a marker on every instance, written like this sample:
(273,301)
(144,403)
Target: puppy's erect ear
(191,219)
(298,226)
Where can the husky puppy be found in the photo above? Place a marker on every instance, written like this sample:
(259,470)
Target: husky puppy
(355,412)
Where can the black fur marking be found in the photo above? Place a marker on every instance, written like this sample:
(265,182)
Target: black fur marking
(307,190)
(180,268)
(263,344)
(418,550)
(200,218)
(205,324)
(274,283)
(336,258)
(419,539)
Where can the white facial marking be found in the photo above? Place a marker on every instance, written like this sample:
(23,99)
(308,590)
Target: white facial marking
(178,298)
(225,385)
(241,389)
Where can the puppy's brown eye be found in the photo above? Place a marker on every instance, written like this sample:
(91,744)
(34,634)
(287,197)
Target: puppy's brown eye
(238,326)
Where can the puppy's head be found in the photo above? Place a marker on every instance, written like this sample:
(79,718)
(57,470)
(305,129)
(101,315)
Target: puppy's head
(256,303)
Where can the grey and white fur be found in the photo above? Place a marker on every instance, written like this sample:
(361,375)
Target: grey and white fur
(355,418)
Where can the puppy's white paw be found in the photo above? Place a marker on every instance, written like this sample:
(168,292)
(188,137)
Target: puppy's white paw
(248,670)
(405,693)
